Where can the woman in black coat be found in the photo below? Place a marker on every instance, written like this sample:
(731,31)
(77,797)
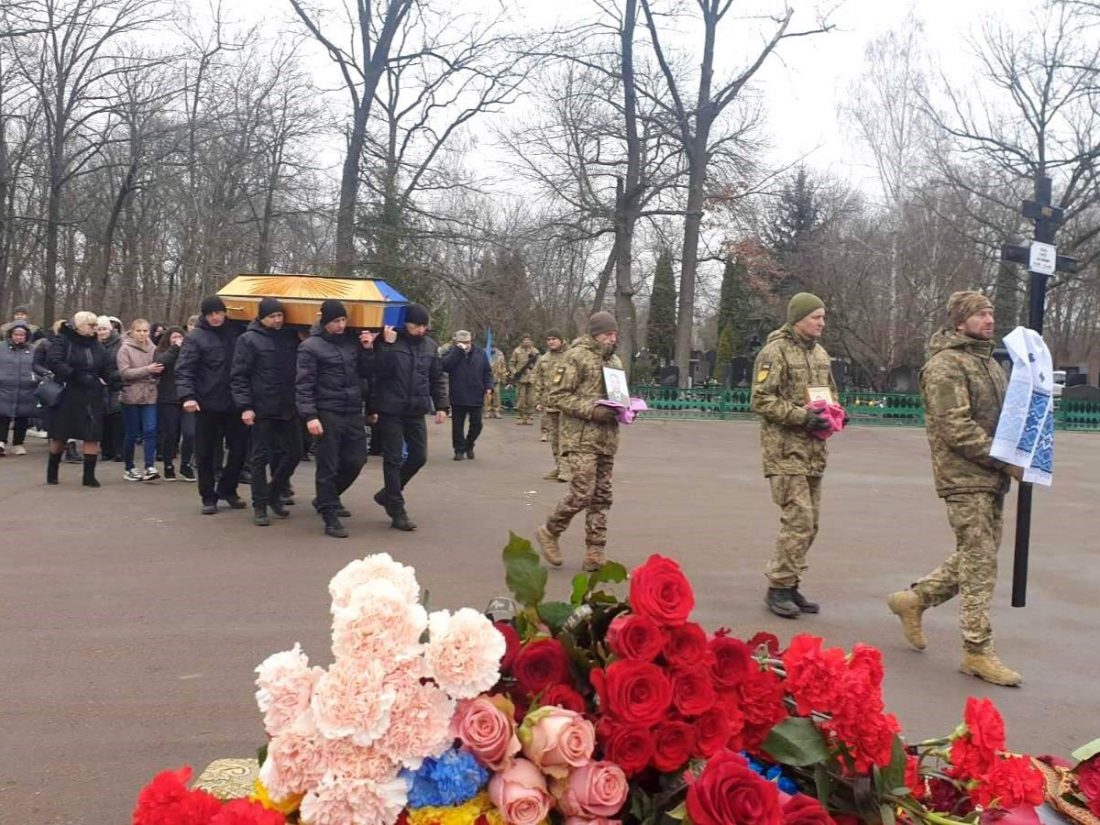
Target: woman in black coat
(79,361)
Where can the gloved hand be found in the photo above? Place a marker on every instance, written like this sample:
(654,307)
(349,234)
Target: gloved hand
(815,421)
(604,415)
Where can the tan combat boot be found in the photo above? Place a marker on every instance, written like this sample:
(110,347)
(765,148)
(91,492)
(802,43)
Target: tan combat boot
(544,438)
(905,604)
(593,559)
(552,475)
(987,665)
(548,544)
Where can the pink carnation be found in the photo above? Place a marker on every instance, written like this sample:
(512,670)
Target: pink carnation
(464,652)
(346,760)
(420,723)
(352,699)
(379,567)
(285,683)
(378,622)
(339,801)
(295,760)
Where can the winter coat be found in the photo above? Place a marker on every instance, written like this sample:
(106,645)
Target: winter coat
(574,388)
(522,365)
(139,385)
(82,364)
(409,377)
(166,387)
(963,389)
(332,371)
(204,365)
(470,375)
(544,374)
(263,375)
(41,347)
(114,399)
(784,368)
(17,377)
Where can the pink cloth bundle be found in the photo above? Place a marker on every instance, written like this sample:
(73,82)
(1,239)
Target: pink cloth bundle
(835,415)
(626,414)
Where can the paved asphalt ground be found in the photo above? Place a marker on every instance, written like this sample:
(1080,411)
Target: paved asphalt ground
(130,624)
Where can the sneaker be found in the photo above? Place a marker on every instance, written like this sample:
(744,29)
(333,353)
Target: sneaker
(209,508)
(38,434)
(169,472)
(150,474)
(187,473)
(259,517)
(132,475)
(3,449)
(19,450)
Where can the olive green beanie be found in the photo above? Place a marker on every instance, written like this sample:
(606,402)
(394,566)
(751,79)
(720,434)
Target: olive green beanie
(802,305)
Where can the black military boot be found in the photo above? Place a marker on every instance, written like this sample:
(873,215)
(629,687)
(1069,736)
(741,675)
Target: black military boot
(804,604)
(259,517)
(53,464)
(333,527)
(89,471)
(780,601)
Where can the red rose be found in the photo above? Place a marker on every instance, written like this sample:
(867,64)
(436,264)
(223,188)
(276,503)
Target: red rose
(511,642)
(564,697)
(673,744)
(813,675)
(712,731)
(660,590)
(728,703)
(540,664)
(628,746)
(637,692)
(729,792)
(1088,778)
(1010,783)
(805,810)
(692,690)
(686,645)
(1094,805)
(732,661)
(632,636)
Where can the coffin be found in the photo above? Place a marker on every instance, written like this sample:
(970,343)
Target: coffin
(370,303)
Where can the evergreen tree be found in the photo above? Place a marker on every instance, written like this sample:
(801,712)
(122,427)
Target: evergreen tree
(794,219)
(661,329)
(734,309)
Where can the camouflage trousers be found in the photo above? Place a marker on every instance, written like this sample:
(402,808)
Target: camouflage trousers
(525,400)
(799,502)
(971,571)
(492,402)
(589,490)
(551,420)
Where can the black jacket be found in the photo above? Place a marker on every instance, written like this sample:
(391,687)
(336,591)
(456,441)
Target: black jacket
(471,376)
(263,374)
(332,371)
(409,377)
(202,369)
(166,387)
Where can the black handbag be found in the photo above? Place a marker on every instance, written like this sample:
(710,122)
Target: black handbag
(49,392)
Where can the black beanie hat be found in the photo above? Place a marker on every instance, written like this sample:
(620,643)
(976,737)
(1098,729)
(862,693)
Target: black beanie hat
(416,314)
(212,304)
(269,306)
(331,310)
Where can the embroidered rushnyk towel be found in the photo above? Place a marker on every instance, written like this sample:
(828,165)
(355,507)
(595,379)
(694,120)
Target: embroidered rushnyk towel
(1025,430)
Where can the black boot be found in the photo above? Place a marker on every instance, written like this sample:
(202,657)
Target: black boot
(53,464)
(470,453)
(259,517)
(804,604)
(333,527)
(401,522)
(71,455)
(89,470)
(459,455)
(277,506)
(780,601)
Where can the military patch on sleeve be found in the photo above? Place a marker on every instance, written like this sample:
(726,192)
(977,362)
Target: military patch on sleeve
(763,372)
(559,374)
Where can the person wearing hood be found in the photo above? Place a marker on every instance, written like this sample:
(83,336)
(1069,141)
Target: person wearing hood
(168,408)
(79,361)
(113,424)
(17,383)
(333,365)
(140,374)
(963,389)
(791,361)
(410,384)
(471,385)
(202,381)
(262,383)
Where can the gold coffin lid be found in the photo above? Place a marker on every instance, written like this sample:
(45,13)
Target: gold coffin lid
(370,303)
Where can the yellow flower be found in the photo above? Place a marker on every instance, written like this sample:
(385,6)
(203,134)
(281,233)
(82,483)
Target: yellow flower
(287,806)
(464,814)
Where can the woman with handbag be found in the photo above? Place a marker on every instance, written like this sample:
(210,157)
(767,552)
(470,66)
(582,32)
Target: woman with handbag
(79,361)
(17,385)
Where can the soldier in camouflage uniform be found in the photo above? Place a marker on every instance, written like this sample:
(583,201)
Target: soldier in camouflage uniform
(963,389)
(522,365)
(499,366)
(791,361)
(588,439)
(544,373)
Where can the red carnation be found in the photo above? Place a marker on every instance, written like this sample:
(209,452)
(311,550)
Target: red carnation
(636,692)
(867,660)
(660,590)
(801,809)
(1010,782)
(564,697)
(813,675)
(673,744)
(540,664)
(761,695)
(732,661)
(511,642)
(166,800)
(632,636)
(974,753)
(628,746)
(769,640)
(713,730)
(686,645)
(729,792)
(692,690)
(246,812)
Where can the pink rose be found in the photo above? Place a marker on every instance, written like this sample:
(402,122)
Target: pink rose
(580,820)
(486,727)
(556,739)
(520,794)
(599,789)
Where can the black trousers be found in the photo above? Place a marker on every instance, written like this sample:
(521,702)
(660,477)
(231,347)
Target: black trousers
(113,430)
(276,442)
(400,433)
(210,429)
(460,439)
(168,430)
(187,434)
(340,456)
(20,429)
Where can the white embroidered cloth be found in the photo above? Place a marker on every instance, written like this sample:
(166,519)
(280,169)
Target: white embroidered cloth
(1025,430)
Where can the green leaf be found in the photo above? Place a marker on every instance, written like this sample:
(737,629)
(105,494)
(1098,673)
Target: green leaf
(887,814)
(524,574)
(580,587)
(796,741)
(823,783)
(611,572)
(678,813)
(1087,751)
(555,614)
(261,754)
(893,775)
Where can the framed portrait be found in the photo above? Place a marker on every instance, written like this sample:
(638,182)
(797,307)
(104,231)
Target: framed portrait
(614,382)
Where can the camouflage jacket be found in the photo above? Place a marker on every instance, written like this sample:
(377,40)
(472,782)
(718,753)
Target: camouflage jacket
(963,389)
(544,374)
(784,368)
(575,386)
(519,359)
(499,365)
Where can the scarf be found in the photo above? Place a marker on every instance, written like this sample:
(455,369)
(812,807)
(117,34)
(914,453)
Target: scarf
(1025,430)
